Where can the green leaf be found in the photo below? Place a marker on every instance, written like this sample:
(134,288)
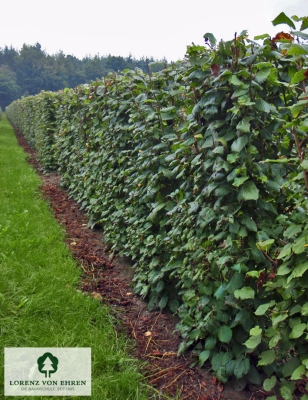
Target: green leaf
(209,37)
(296,50)
(290,367)
(298,271)
(304,23)
(203,356)
(253,341)
(299,245)
(241,366)
(266,245)
(244,125)
(304,310)
(292,231)
(274,340)
(286,393)
(249,223)
(297,331)
(248,191)
(283,19)
(304,164)
(269,383)
(297,374)
(261,77)
(210,343)
(256,331)
(239,181)
(163,301)
(260,37)
(261,310)
(245,293)
(286,250)
(220,292)
(283,269)
(298,107)
(267,357)
(298,77)
(263,106)
(224,334)
(238,144)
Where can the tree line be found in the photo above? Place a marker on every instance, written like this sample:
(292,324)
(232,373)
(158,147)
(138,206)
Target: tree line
(29,70)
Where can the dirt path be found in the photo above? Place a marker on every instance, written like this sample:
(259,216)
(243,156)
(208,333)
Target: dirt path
(109,280)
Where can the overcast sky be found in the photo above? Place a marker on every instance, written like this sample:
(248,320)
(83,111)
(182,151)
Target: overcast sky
(158,28)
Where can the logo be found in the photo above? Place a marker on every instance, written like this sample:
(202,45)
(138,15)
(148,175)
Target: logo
(47,364)
(47,371)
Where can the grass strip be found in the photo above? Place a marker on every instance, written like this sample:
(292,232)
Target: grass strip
(39,303)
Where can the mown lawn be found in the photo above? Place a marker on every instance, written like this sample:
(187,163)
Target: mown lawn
(39,303)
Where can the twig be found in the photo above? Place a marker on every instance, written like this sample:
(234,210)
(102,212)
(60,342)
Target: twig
(174,380)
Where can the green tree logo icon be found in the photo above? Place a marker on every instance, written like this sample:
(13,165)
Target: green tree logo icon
(47,364)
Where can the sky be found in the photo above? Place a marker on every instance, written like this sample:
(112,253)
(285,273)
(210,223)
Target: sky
(157,28)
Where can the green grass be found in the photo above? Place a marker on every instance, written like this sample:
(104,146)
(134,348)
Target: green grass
(39,303)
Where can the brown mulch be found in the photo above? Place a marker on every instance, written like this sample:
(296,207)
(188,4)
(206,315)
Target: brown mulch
(108,279)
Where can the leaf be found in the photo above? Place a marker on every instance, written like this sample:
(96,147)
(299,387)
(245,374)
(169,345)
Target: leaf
(265,245)
(298,271)
(263,106)
(193,207)
(304,164)
(241,367)
(245,293)
(261,77)
(260,37)
(297,331)
(267,357)
(255,331)
(283,269)
(239,143)
(283,19)
(298,107)
(248,191)
(163,301)
(297,374)
(304,23)
(220,292)
(261,310)
(269,383)
(210,343)
(304,310)
(286,250)
(290,367)
(298,77)
(244,125)
(249,223)
(239,181)
(286,393)
(209,37)
(203,356)
(224,334)
(292,231)
(274,340)
(253,341)
(296,50)
(299,245)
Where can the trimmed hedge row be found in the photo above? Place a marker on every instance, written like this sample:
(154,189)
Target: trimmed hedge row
(198,173)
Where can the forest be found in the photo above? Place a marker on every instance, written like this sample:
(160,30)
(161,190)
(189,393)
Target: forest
(29,70)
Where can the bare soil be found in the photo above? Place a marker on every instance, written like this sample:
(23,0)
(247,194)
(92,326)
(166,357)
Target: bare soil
(108,279)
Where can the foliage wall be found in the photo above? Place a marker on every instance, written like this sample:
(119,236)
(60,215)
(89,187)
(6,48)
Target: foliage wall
(199,174)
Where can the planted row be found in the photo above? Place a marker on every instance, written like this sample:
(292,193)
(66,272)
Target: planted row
(198,173)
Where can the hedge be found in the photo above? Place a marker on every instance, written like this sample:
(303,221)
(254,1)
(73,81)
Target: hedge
(199,174)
